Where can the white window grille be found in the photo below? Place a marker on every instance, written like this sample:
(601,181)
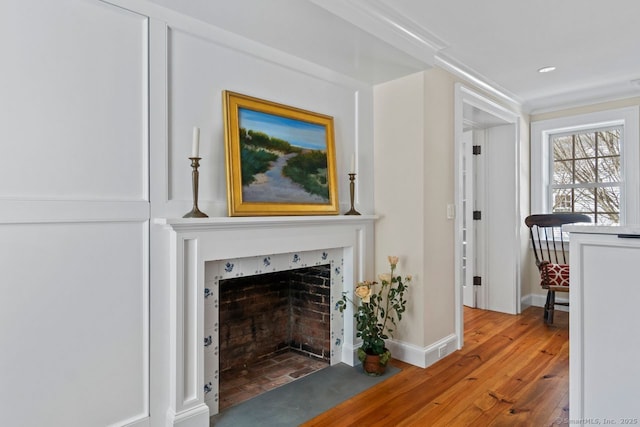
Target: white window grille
(589,164)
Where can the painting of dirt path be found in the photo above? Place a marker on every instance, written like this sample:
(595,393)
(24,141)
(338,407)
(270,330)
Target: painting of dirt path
(273,186)
(284,160)
(280,159)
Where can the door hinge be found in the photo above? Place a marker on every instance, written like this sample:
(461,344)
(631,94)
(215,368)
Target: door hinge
(477,150)
(477,281)
(477,215)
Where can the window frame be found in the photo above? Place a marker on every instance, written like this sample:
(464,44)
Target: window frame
(541,161)
(595,185)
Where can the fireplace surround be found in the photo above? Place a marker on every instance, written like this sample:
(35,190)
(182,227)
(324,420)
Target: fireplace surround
(202,249)
(240,269)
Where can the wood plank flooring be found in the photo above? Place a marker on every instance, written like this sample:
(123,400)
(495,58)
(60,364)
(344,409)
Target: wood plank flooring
(512,371)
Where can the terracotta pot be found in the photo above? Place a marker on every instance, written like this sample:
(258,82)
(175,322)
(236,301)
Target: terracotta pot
(372,366)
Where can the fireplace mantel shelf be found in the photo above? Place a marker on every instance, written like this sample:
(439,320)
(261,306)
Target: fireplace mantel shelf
(263,221)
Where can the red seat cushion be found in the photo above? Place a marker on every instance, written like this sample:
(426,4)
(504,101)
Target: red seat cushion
(554,274)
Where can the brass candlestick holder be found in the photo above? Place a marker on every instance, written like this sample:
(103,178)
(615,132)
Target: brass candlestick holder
(352,188)
(195,175)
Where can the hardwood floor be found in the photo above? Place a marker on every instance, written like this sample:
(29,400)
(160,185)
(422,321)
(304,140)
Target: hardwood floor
(512,371)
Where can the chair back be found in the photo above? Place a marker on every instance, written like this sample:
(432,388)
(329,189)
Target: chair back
(547,237)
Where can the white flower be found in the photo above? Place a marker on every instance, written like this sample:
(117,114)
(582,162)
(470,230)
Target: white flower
(364,292)
(385,277)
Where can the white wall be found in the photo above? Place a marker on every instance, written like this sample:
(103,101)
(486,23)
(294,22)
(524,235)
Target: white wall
(201,62)
(399,191)
(98,103)
(73,214)
(439,268)
(414,183)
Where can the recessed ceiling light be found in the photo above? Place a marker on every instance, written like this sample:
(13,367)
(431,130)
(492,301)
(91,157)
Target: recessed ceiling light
(546,69)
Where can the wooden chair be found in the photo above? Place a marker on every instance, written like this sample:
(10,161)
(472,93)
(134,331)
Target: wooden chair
(548,247)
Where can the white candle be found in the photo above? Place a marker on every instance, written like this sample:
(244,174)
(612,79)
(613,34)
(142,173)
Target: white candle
(195,149)
(353,163)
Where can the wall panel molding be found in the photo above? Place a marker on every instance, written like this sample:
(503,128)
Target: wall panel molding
(82,112)
(80,295)
(52,211)
(196,60)
(74,214)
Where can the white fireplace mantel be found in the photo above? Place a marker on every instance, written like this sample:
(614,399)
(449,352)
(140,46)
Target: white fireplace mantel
(194,241)
(262,221)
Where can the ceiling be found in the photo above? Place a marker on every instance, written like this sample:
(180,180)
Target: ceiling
(498,44)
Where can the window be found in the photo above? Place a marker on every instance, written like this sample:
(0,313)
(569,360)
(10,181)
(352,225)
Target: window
(586,174)
(587,164)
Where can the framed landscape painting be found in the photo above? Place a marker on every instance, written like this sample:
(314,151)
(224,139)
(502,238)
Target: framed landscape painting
(280,159)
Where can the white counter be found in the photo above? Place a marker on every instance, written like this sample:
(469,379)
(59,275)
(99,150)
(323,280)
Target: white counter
(602,229)
(604,373)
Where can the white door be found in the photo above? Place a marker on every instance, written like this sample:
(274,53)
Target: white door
(473,229)
(489,261)
(467,265)
(475,239)
(500,290)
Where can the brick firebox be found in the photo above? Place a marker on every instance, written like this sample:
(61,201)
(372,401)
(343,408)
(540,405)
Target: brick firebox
(266,314)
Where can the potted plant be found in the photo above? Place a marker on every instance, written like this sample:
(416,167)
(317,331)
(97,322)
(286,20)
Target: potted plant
(376,311)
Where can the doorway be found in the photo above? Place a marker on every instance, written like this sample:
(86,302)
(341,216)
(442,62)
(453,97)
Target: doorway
(487,206)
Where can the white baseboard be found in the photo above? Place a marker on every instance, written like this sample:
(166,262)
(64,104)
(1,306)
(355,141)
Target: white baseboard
(194,417)
(145,422)
(422,356)
(350,354)
(538,300)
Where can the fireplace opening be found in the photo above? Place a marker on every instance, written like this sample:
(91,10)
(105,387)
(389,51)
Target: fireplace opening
(273,329)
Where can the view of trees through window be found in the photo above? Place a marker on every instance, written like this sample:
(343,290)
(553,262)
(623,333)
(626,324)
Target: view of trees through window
(586,175)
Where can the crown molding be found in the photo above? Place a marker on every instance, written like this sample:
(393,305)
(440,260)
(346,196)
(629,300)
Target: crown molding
(582,97)
(378,19)
(479,81)
(385,23)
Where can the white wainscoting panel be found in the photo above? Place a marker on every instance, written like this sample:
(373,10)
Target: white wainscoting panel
(74,324)
(74,214)
(74,101)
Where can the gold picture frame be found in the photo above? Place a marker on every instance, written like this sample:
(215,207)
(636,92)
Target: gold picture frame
(280,159)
